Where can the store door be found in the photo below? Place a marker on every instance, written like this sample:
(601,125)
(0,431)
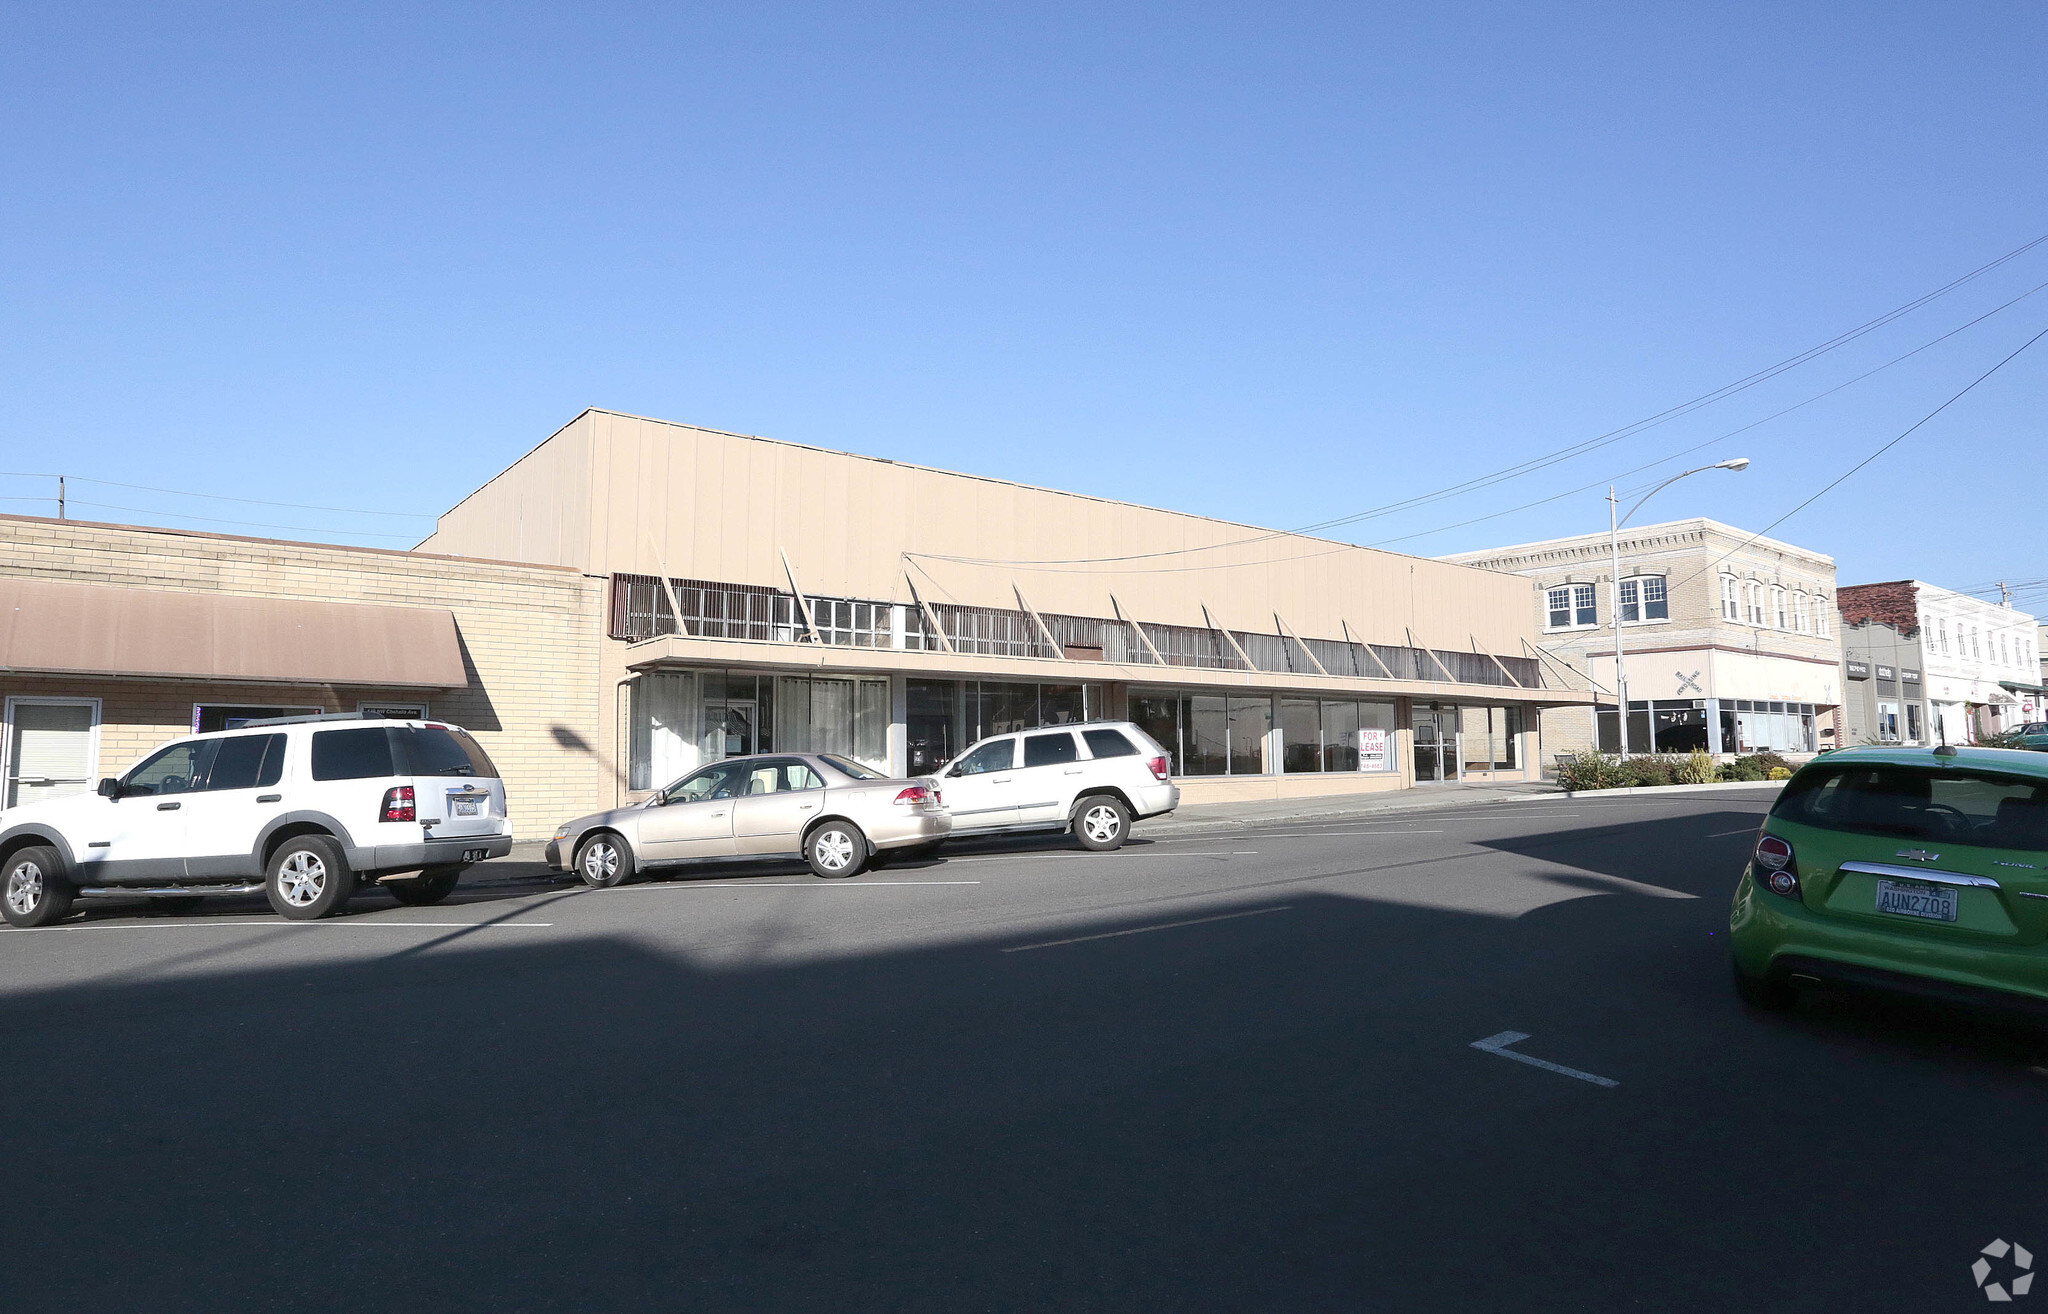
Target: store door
(51,749)
(1436,747)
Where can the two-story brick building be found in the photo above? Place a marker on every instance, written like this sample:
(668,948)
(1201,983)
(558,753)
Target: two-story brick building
(1728,640)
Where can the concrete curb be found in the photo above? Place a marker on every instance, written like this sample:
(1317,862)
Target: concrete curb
(1675,789)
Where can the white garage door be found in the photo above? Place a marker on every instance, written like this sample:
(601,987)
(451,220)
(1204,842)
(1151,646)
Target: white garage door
(50,749)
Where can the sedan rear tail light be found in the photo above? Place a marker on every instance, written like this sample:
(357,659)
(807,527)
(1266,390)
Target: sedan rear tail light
(1776,869)
(1162,770)
(399,804)
(916,796)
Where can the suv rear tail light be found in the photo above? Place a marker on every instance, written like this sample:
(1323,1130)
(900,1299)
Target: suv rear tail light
(399,805)
(1161,769)
(916,796)
(1776,869)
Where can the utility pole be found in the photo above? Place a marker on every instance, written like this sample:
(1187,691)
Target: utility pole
(2004,595)
(60,497)
(1620,675)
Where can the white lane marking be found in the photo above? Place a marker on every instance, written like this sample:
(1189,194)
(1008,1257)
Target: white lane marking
(296,926)
(1192,853)
(1140,930)
(786,885)
(1499,1045)
(1746,830)
(1305,834)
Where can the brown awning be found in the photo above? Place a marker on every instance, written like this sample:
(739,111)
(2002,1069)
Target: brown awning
(91,629)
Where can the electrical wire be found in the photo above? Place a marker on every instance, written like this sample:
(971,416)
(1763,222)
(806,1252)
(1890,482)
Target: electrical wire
(1839,480)
(1562,454)
(220,497)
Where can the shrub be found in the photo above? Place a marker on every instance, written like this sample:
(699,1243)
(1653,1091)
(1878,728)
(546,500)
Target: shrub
(2000,739)
(1697,768)
(1653,770)
(1779,773)
(1577,771)
(1757,766)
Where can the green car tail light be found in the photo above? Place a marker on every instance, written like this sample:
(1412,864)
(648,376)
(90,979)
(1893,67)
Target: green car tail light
(1777,866)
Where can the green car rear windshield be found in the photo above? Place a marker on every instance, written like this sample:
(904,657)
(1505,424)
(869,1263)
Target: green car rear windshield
(1902,802)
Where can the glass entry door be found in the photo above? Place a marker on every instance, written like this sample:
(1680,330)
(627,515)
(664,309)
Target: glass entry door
(1436,747)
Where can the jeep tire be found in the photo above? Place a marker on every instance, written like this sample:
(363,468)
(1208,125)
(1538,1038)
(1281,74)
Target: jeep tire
(33,891)
(308,878)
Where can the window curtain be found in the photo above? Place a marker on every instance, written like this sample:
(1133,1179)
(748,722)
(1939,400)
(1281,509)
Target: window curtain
(665,716)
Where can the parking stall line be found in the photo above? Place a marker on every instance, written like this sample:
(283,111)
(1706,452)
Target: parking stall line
(782,885)
(1498,1044)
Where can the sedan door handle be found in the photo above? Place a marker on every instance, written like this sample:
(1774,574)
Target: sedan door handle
(269,798)
(1000,780)
(168,807)
(1074,771)
(806,807)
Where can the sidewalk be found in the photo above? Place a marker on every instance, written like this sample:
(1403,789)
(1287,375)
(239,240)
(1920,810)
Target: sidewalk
(1428,798)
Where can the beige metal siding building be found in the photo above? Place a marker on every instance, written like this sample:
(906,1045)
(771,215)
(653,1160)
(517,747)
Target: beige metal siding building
(898,613)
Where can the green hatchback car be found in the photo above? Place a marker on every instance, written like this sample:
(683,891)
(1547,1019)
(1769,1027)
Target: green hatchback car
(1903,868)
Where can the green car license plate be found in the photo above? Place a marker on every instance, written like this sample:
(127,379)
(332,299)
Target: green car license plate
(1936,903)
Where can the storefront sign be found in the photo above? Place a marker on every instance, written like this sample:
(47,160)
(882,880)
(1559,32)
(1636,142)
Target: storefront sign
(1910,677)
(1887,673)
(1372,750)
(1858,670)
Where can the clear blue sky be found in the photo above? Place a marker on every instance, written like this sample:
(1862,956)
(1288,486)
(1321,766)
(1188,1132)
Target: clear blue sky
(1279,264)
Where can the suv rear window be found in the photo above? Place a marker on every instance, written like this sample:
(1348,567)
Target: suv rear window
(1947,807)
(1049,750)
(352,754)
(1108,743)
(438,752)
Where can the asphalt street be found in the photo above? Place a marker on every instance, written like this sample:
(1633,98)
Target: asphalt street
(1228,1069)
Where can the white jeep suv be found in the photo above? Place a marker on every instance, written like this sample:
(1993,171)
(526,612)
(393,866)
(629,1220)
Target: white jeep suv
(302,808)
(1094,779)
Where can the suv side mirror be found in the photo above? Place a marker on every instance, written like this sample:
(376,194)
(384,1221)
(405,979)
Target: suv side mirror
(110,787)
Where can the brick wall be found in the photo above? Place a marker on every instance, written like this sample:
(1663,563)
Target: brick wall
(530,636)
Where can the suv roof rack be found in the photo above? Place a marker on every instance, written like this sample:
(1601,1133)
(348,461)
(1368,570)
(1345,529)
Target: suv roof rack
(318,716)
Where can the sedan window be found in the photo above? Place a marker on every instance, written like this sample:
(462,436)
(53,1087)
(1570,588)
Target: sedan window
(1954,807)
(725,780)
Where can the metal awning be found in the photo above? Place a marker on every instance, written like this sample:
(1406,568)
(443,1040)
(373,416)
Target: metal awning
(2017,686)
(56,627)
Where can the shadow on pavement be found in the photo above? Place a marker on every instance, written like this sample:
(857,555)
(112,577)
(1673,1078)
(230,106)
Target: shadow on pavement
(1275,1110)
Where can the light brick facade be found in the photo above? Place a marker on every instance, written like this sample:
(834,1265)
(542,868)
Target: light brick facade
(530,637)
(1780,649)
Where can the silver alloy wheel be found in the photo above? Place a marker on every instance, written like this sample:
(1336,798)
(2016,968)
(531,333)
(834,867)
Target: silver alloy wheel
(600,861)
(301,878)
(1101,823)
(834,848)
(24,888)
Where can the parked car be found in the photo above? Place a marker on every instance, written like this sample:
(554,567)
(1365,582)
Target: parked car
(1917,869)
(307,809)
(2033,735)
(1093,779)
(836,814)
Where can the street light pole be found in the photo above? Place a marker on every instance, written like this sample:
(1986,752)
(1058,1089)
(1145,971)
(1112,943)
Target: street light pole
(1614,523)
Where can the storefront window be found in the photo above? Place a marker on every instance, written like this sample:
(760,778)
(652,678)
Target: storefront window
(1489,738)
(931,731)
(683,719)
(1301,735)
(1208,737)
(1251,721)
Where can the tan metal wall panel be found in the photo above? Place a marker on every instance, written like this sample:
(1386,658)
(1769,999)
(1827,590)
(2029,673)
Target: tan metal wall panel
(718,506)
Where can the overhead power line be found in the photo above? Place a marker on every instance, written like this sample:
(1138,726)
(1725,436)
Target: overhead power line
(222,497)
(1552,458)
(1842,478)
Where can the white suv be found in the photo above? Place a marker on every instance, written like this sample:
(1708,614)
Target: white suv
(1095,779)
(300,807)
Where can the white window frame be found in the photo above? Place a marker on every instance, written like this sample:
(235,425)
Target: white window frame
(1643,599)
(1549,610)
(1777,615)
(1802,614)
(1753,603)
(1823,608)
(1731,600)
(92,773)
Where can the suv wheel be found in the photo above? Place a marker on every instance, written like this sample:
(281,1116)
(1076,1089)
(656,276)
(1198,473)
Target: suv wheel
(1101,823)
(430,886)
(836,849)
(33,892)
(308,878)
(604,861)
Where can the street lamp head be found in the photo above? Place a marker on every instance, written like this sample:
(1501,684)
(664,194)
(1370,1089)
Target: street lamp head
(1739,463)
